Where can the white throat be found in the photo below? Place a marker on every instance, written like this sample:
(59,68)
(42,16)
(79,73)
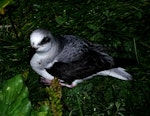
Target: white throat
(48,56)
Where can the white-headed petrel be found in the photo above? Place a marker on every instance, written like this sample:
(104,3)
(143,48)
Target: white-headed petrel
(71,59)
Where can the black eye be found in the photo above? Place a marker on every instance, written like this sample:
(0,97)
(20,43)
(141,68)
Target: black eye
(45,40)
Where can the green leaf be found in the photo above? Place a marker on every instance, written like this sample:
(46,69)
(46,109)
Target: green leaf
(44,110)
(60,20)
(93,27)
(14,98)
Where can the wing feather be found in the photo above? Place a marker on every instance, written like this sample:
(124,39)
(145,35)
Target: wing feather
(91,63)
(74,49)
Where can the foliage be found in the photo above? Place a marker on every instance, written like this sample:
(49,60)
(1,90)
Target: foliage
(3,4)
(121,25)
(55,95)
(14,98)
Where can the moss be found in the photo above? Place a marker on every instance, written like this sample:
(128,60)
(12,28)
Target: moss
(55,94)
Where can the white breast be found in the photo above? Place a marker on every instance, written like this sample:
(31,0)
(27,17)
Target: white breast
(39,65)
(40,61)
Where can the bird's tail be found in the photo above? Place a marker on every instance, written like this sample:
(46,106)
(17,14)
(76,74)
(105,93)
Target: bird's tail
(119,73)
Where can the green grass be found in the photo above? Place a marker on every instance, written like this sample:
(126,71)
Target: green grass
(122,25)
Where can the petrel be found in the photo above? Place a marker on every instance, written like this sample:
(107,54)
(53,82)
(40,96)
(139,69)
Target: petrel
(71,59)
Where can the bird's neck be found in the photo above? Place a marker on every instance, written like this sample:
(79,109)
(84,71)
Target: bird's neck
(52,53)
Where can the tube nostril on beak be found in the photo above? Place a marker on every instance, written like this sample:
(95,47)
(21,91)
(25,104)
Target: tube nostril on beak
(34,47)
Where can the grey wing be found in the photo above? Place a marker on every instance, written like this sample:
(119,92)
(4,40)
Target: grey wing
(73,50)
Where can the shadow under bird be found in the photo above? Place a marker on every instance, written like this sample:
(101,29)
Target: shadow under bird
(71,59)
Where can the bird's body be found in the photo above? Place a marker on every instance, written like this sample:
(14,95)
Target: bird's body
(71,58)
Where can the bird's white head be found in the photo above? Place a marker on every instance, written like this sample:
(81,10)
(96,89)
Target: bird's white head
(41,40)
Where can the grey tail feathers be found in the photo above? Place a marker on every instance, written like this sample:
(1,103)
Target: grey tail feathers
(119,73)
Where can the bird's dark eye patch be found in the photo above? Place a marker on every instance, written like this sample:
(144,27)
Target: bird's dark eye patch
(45,40)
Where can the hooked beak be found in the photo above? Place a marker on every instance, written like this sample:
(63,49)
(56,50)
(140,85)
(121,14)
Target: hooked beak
(34,49)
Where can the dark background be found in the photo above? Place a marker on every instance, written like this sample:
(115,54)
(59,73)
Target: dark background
(123,25)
